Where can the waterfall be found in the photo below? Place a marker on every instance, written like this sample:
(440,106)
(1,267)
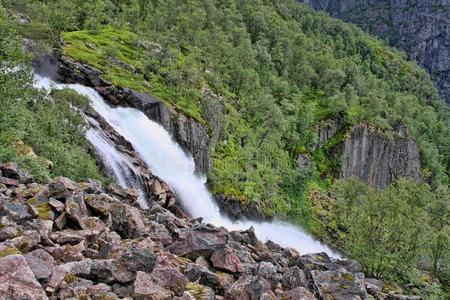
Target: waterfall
(167,160)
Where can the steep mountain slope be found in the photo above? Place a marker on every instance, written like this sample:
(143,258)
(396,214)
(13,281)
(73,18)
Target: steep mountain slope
(420,28)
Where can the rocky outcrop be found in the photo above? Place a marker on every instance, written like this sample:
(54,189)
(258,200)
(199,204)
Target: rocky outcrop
(189,133)
(155,189)
(126,252)
(236,209)
(420,28)
(378,159)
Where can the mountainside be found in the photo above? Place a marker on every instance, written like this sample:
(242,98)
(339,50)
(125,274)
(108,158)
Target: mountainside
(289,113)
(420,28)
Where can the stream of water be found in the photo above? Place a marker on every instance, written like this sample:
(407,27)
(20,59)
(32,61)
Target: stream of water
(166,159)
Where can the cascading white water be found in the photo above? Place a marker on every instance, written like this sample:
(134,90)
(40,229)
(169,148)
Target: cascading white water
(167,160)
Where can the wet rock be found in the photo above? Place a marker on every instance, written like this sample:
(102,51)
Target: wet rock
(338,285)
(299,293)
(249,287)
(226,260)
(172,278)
(17,280)
(294,277)
(146,288)
(41,263)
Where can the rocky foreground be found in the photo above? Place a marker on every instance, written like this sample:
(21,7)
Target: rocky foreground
(67,240)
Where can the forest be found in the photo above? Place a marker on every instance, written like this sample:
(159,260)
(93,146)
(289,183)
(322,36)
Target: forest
(280,69)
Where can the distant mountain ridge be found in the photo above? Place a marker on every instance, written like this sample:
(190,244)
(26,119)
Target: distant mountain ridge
(420,28)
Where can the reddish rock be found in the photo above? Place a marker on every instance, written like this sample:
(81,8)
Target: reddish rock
(17,280)
(41,263)
(67,236)
(146,288)
(226,260)
(127,221)
(249,288)
(27,241)
(298,293)
(61,187)
(172,278)
(198,242)
(9,182)
(57,205)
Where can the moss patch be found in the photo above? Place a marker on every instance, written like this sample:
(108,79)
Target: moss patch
(45,211)
(9,251)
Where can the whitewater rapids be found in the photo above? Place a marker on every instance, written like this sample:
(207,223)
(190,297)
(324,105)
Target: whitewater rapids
(167,160)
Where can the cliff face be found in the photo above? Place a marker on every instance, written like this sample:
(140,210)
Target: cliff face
(377,159)
(420,28)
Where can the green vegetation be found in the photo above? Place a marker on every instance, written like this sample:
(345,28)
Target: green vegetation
(39,131)
(391,231)
(280,69)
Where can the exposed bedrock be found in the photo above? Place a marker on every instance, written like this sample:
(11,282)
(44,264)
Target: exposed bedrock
(378,159)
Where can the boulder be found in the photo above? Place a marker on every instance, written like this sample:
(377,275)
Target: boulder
(172,278)
(132,261)
(249,287)
(338,285)
(127,221)
(203,275)
(226,260)
(299,293)
(11,170)
(145,288)
(202,241)
(61,187)
(17,280)
(41,263)
(269,272)
(294,277)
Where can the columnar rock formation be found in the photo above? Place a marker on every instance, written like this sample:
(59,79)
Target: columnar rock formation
(378,159)
(420,28)
(82,241)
